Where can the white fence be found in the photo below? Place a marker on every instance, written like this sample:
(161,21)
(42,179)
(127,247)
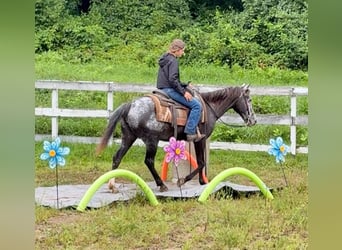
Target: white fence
(291,120)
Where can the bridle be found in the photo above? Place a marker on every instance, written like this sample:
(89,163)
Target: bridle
(249,111)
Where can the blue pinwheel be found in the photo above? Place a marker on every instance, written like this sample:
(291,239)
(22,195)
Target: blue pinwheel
(54,153)
(278,149)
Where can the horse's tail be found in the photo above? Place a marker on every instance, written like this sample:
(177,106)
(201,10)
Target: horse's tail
(113,120)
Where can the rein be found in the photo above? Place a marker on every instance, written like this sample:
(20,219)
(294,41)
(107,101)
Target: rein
(232,125)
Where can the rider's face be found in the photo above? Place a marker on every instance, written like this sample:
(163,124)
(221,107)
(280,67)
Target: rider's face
(179,52)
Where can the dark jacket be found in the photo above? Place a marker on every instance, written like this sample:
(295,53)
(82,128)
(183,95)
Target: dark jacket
(168,74)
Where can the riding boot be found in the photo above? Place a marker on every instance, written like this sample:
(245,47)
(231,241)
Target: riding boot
(195,137)
(198,131)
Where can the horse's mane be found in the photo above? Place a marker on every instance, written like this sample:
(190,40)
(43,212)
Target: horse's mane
(219,95)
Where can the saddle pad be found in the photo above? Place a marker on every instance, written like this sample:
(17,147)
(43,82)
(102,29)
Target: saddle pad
(164,108)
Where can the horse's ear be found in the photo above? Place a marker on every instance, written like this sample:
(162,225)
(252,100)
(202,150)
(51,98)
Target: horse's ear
(245,86)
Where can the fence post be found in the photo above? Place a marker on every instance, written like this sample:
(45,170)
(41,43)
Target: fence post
(110,105)
(54,119)
(293,122)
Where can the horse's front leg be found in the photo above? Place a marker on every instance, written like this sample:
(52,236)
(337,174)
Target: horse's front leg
(200,151)
(182,181)
(200,148)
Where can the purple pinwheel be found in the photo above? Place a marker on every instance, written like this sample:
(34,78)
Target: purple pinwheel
(175,151)
(278,149)
(54,153)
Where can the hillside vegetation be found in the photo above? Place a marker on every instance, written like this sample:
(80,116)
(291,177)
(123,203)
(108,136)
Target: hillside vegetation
(251,34)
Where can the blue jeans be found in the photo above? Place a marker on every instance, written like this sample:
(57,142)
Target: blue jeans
(195,108)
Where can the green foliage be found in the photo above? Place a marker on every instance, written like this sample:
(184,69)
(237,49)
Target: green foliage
(48,13)
(124,18)
(250,34)
(271,104)
(303,107)
(277,132)
(224,133)
(302,136)
(42,125)
(217,42)
(258,134)
(280,27)
(81,127)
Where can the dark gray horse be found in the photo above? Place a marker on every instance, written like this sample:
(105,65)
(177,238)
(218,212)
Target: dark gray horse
(138,120)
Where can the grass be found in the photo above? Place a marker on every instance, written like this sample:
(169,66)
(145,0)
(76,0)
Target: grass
(244,223)
(51,65)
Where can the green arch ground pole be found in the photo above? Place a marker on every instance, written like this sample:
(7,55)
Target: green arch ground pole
(112,174)
(152,198)
(234,171)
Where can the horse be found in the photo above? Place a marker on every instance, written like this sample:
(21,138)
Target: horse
(138,120)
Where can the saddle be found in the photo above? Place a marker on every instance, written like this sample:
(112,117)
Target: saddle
(169,111)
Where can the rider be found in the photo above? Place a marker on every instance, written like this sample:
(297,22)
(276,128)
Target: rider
(168,81)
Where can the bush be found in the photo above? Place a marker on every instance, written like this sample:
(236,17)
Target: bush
(252,34)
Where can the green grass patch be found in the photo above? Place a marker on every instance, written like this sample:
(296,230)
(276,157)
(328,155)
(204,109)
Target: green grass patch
(253,222)
(51,65)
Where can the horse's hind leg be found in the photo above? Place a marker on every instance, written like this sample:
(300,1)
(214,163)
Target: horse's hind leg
(126,143)
(151,150)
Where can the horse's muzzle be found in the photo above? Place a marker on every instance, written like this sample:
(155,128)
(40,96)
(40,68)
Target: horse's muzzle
(251,122)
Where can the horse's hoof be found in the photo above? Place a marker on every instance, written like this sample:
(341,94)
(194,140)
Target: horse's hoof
(111,186)
(180,182)
(163,188)
(113,189)
(202,182)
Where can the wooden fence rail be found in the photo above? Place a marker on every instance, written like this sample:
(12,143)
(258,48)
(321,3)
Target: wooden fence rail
(291,120)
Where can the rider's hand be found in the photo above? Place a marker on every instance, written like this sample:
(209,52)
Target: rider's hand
(187,96)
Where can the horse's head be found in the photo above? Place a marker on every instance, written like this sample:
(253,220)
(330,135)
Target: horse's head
(243,106)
